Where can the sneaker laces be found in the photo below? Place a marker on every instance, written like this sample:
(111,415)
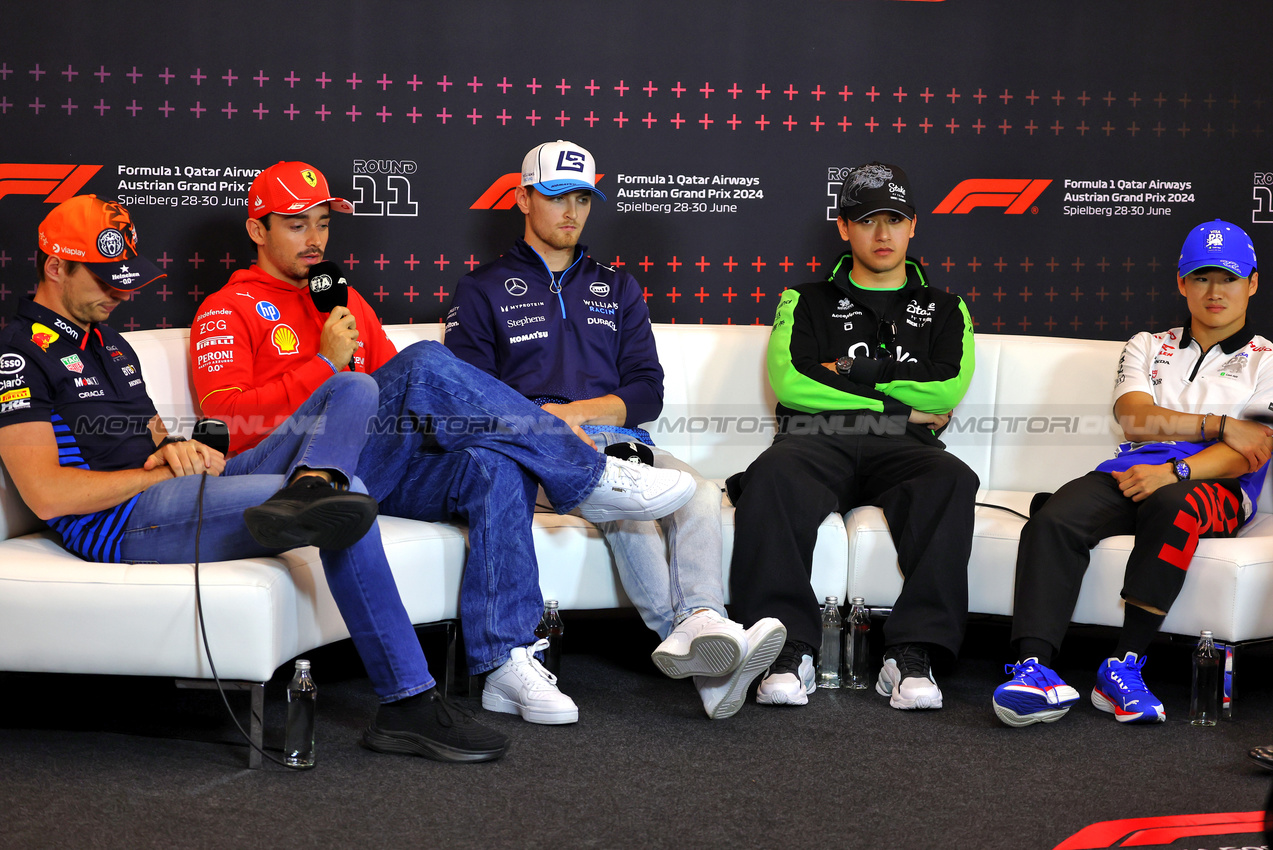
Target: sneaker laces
(1127,674)
(788,660)
(620,474)
(450,714)
(912,661)
(540,645)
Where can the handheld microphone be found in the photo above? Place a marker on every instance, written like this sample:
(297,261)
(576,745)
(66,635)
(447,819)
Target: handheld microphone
(213,433)
(327,286)
(633,451)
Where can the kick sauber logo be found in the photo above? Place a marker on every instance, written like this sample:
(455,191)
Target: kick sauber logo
(502,194)
(56,182)
(1016,195)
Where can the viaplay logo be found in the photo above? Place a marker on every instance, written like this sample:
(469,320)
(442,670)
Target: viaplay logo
(502,195)
(56,183)
(1016,195)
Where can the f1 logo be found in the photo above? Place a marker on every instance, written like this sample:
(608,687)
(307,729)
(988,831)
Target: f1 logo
(56,182)
(502,193)
(571,161)
(1016,195)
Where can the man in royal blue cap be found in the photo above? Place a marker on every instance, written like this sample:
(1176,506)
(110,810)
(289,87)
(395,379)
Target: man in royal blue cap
(1188,400)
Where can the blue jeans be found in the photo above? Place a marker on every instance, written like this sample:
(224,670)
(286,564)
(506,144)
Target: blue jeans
(454,442)
(326,432)
(669,580)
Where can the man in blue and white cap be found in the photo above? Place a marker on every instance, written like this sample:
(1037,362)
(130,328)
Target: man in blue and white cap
(1191,401)
(574,336)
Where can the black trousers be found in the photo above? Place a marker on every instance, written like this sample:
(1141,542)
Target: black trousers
(1056,545)
(927,496)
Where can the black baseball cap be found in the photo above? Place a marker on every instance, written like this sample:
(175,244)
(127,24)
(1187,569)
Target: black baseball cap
(876,187)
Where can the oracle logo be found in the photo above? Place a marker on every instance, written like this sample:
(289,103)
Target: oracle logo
(1016,195)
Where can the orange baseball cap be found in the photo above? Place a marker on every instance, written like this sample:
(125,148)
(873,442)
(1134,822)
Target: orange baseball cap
(290,188)
(100,234)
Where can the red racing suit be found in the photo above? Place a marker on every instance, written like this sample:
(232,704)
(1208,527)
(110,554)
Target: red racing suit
(254,352)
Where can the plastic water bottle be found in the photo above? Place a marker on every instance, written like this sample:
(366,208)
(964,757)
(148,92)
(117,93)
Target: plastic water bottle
(857,631)
(298,740)
(550,627)
(1204,705)
(829,657)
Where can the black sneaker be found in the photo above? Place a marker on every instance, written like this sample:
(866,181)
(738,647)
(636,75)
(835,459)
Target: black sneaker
(430,726)
(311,512)
(907,678)
(790,679)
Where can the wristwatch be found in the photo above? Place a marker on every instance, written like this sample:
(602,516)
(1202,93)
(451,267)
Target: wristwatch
(843,365)
(1181,469)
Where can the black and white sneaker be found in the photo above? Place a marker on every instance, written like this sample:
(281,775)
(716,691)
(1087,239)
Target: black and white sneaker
(791,678)
(311,512)
(907,678)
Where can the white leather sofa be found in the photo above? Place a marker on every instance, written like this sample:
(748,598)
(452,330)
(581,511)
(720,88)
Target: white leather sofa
(1036,415)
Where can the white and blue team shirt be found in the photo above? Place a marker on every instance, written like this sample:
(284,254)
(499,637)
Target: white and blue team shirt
(88,386)
(1234,378)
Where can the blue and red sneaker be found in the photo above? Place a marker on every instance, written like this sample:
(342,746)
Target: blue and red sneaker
(1121,691)
(1035,694)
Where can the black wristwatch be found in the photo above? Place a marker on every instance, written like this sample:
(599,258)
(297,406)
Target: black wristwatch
(843,365)
(1181,469)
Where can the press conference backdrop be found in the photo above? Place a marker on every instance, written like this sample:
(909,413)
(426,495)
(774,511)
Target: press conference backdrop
(1058,151)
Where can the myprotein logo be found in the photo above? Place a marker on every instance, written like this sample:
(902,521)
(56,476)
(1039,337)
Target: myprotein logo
(1016,195)
(56,183)
(502,194)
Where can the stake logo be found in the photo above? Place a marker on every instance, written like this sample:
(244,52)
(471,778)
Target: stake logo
(56,182)
(502,194)
(1016,195)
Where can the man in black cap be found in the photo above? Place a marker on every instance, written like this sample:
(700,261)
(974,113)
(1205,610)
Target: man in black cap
(867,366)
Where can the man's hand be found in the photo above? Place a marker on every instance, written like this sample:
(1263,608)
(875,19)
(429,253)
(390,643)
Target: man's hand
(1140,481)
(574,416)
(188,457)
(339,340)
(935,421)
(1250,439)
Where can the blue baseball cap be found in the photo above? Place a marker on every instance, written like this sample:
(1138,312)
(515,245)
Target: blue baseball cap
(1220,244)
(555,168)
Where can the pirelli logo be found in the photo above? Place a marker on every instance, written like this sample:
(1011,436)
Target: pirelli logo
(56,183)
(1016,195)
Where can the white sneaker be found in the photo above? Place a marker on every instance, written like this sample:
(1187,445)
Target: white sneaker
(907,678)
(629,490)
(521,685)
(703,644)
(722,696)
(790,680)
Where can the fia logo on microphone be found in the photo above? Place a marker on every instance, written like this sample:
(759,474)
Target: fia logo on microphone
(321,283)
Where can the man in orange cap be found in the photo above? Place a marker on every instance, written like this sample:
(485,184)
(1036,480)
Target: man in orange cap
(85,447)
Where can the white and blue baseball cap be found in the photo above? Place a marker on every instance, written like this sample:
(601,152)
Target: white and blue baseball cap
(555,168)
(1219,244)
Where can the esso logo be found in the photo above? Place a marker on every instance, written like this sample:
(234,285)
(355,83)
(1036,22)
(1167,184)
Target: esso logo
(12,364)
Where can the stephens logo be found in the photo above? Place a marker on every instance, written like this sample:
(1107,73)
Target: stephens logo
(502,194)
(56,182)
(1016,195)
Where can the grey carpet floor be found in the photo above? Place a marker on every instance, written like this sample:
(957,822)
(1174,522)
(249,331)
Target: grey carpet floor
(111,762)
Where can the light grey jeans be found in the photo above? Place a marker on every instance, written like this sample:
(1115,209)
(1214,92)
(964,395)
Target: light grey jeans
(672,567)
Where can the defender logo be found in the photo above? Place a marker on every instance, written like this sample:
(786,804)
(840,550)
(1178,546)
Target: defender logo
(56,182)
(1016,195)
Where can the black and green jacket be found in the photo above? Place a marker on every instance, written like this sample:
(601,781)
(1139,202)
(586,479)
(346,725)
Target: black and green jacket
(929,369)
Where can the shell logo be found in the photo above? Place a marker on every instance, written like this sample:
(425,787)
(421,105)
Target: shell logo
(284,339)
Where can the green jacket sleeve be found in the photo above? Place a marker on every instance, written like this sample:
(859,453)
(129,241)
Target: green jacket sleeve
(800,380)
